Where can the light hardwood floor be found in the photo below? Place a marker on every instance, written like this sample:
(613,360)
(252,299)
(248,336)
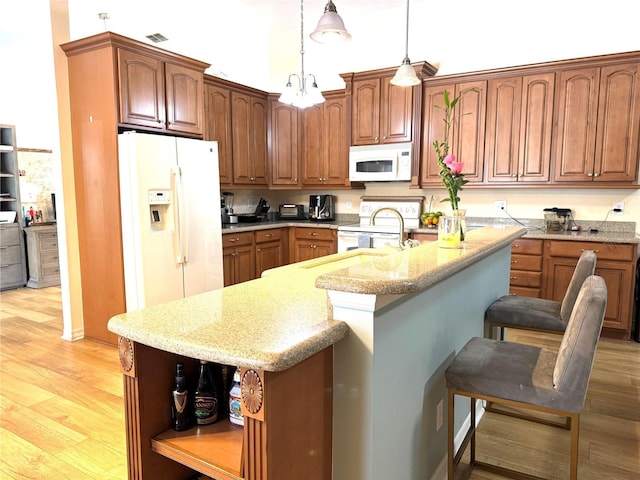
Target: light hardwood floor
(61,413)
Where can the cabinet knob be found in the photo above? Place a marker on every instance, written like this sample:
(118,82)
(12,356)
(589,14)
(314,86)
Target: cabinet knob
(596,174)
(314,234)
(513,278)
(595,251)
(589,174)
(515,175)
(513,262)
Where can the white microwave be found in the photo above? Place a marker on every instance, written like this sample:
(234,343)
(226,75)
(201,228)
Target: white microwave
(380,163)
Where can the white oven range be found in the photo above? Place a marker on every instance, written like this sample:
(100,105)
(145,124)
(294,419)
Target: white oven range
(386,230)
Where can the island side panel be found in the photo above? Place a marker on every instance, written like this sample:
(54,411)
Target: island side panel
(389,373)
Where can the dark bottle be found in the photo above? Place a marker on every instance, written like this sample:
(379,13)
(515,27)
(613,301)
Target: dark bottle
(205,398)
(179,401)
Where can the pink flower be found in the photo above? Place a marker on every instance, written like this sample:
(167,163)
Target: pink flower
(456,167)
(449,159)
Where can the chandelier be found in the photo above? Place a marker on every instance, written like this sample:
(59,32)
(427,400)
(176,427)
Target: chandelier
(308,93)
(406,75)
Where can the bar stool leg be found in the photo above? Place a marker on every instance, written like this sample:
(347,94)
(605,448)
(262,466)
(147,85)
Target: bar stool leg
(450,452)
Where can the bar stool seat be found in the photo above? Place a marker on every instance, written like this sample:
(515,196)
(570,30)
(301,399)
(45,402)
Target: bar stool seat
(528,377)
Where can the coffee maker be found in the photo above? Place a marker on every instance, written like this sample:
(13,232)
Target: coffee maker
(321,207)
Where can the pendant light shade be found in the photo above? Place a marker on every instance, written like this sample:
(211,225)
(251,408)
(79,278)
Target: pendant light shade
(406,75)
(330,27)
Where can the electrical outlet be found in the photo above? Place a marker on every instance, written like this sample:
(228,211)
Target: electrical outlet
(349,205)
(618,208)
(439,414)
(500,205)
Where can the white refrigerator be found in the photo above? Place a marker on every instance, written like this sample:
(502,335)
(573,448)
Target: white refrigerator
(171,229)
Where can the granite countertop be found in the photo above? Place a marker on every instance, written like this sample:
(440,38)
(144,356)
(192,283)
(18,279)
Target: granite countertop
(276,223)
(277,321)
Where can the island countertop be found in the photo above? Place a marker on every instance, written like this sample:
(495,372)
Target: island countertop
(277,321)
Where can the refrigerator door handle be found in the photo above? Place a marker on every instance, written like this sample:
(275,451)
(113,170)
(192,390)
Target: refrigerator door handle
(181,227)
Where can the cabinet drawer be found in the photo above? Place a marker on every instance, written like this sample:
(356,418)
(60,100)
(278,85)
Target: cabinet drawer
(303,233)
(49,259)
(527,246)
(604,251)
(9,235)
(532,263)
(237,239)
(526,292)
(50,271)
(268,235)
(48,242)
(10,255)
(519,278)
(10,273)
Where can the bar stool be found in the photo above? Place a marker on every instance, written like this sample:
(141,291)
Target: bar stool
(537,313)
(529,377)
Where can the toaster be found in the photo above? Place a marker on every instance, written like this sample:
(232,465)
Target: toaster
(291,211)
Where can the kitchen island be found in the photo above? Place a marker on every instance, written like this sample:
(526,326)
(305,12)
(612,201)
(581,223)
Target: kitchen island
(341,358)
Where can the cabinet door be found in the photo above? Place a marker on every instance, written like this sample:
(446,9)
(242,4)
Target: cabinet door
(238,264)
(218,128)
(304,250)
(228,266)
(504,98)
(575,119)
(268,255)
(433,129)
(142,89)
(616,156)
(365,121)
(336,148)
(536,124)
(258,151)
(284,144)
(396,112)
(324,248)
(184,95)
(469,127)
(313,145)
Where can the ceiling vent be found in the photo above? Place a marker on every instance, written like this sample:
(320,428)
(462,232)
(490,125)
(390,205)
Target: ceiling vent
(157,38)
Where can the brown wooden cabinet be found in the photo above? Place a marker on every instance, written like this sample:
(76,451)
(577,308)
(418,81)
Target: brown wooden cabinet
(218,127)
(284,153)
(525,277)
(309,243)
(222,450)
(95,102)
(324,147)
(155,93)
(249,138)
(615,263)
(518,134)
(238,258)
(270,249)
(382,113)
(598,123)
(467,130)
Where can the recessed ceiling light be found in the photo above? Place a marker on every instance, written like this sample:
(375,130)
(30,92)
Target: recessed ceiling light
(157,38)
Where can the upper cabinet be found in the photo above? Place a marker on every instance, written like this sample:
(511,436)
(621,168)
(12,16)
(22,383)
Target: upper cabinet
(325,151)
(155,93)
(382,112)
(598,123)
(218,127)
(249,138)
(518,133)
(284,153)
(467,133)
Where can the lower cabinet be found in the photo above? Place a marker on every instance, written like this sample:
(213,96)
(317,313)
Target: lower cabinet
(616,264)
(42,256)
(246,255)
(289,412)
(313,242)
(238,258)
(526,268)
(13,270)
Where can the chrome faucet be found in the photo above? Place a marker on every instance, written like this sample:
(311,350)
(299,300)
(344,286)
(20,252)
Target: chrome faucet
(372,222)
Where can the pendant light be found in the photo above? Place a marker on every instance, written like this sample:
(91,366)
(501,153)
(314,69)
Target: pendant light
(330,27)
(406,75)
(306,95)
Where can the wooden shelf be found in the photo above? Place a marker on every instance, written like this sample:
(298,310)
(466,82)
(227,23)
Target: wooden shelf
(214,450)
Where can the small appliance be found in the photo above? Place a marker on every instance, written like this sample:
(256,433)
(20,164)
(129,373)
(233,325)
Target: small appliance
(321,207)
(557,219)
(259,215)
(380,163)
(226,206)
(291,211)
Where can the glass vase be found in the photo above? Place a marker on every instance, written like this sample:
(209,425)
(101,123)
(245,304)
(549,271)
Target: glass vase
(462,214)
(452,229)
